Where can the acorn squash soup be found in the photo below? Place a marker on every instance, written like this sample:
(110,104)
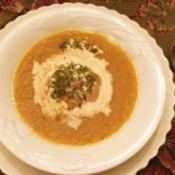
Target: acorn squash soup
(75,87)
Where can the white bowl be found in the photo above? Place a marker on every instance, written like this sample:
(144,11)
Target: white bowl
(19,35)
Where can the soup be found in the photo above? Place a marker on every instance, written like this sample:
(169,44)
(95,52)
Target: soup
(75,87)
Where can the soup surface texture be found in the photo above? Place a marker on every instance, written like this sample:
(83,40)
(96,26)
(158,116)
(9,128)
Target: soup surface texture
(75,87)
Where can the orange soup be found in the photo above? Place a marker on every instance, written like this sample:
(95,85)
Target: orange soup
(75,87)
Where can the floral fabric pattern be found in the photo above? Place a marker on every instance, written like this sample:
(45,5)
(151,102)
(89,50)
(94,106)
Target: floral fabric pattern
(38,3)
(10,5)
(157,14)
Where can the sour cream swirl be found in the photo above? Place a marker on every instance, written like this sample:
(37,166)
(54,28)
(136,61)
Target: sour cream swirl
(42,73)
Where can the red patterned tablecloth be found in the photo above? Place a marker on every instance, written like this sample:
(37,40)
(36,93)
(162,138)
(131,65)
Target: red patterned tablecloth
(156,16)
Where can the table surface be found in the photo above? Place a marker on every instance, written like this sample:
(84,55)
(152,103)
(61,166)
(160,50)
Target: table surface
(157,17)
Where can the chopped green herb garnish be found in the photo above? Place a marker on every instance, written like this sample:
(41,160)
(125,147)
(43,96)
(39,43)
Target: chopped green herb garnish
(72,83)
(93,50)
(78,44)
(63,45)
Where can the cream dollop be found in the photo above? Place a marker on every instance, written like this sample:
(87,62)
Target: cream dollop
(50,108)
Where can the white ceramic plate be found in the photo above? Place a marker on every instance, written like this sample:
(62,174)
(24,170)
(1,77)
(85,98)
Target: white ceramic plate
(144,52)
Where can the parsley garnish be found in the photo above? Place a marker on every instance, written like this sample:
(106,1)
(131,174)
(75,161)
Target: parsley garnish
(72,83)
(77,44)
